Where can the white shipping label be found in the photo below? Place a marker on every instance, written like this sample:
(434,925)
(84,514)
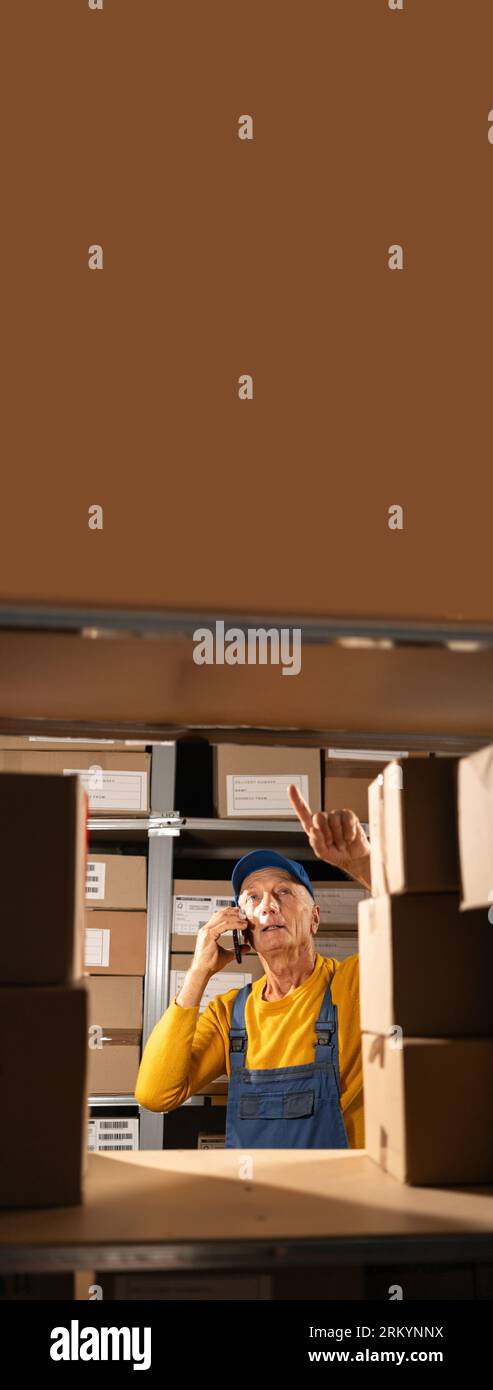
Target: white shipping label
(266,794)
(211,1141)
(49,738)
(218,984)
(113,791)
(95,881)
(365,754)
(339,905)
(106,1134)
(97,947)
(191,912)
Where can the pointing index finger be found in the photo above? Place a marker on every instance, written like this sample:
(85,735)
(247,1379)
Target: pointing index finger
(305,815)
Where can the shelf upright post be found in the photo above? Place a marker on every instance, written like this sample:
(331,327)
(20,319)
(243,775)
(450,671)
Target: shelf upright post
(159,918)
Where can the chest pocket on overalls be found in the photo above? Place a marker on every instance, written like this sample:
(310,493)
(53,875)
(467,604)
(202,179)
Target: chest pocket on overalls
(277,1107)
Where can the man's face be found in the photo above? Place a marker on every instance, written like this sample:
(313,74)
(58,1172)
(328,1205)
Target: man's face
(281,912)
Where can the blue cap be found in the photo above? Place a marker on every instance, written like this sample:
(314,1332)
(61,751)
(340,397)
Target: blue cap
(266,859)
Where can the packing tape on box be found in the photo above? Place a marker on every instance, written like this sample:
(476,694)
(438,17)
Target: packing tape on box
(117,1036)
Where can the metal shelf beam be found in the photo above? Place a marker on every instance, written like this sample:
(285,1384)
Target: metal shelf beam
(152,623)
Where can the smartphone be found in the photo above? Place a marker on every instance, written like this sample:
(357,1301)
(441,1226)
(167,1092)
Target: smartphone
(236,938)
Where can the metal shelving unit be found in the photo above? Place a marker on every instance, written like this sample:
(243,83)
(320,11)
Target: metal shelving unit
(200,838)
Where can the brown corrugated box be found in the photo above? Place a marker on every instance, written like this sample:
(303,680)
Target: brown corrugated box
(115,942)
(119,881)
(251,965)
(341,793)
(413,827)
(124,779)
(127,680)
(262,799)
(364,763)
(37,742)
(115,1005)
(338,901)
(43,848)
(425,966)
(190,894)
(336,944)
(43,1045)
(113,1070)
(427,1108)
(347,778)
(475,819)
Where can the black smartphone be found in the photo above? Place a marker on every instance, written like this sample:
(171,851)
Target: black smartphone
(236,938)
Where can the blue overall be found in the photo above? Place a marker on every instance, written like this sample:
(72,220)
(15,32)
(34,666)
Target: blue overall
(285,1107)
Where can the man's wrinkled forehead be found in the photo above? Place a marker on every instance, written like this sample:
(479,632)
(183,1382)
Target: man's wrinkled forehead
(265,878)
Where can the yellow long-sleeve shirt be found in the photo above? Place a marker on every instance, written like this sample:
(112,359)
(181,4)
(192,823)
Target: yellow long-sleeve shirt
(187,1050)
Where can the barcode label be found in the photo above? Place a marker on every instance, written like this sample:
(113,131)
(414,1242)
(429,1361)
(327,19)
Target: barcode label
(106,1134)
(114,1147)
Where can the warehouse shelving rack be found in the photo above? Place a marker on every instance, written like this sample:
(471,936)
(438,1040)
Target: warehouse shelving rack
(211,838)
(214,838)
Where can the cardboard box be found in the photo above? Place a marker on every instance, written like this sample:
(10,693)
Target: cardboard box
(194,902)
(413,827)
(116,881)
(338,902)
(348,773)
(232,977)
(43,1045)
(115,1007)
(116,783)
(475,819)
(339,945)
(43,849)
(428,1108)
(351,793)
(113,1071)
(250,781)
(425,966)
(49,743)
(115,943)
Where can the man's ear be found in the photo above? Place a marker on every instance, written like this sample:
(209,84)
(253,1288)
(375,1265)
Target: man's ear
(315,922)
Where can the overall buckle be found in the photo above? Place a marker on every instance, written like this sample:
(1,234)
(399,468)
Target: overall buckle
(326,1028)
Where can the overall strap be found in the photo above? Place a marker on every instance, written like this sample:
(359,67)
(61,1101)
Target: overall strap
(326,1031)
(237,1033)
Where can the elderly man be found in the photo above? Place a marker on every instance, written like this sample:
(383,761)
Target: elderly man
(297,1027)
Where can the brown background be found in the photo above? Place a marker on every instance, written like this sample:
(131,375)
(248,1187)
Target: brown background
(224,256)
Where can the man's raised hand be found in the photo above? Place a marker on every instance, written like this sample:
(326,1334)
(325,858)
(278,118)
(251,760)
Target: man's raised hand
(336,836)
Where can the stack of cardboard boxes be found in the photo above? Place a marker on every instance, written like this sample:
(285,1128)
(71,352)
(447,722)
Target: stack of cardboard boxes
(43,995)
(115,776)
(426,971)
(115,959)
